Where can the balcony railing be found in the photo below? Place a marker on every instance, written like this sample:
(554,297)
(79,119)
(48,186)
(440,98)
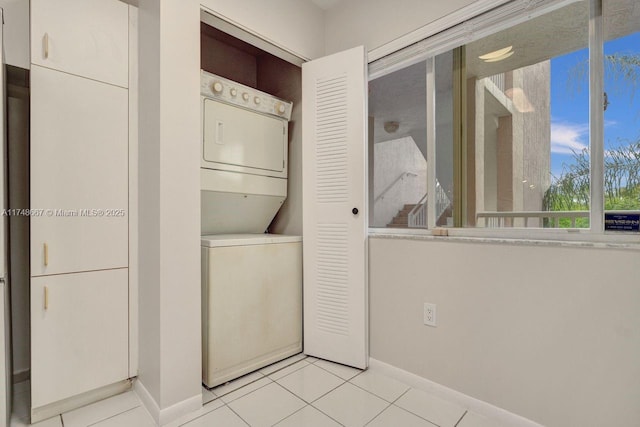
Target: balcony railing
(498,80)
(546,219)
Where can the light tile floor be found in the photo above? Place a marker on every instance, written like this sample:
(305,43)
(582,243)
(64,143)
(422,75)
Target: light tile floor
(297,392)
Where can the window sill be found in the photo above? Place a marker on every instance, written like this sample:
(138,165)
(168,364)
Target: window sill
(553,238)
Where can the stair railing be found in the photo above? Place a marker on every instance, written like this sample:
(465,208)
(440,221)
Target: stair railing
(390,186)
(442,200)
(418,215)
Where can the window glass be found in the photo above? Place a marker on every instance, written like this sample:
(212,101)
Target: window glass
(622,105)
(397,148)
(525,113)
(510,127)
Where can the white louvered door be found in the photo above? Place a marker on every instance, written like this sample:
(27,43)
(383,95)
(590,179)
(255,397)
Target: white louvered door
(335,208)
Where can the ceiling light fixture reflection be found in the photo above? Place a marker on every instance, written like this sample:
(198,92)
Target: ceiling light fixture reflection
(391,127)
(500,58)
(497,55)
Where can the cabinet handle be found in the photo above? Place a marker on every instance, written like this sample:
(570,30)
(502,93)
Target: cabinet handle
(46,298)
(45,41)
(46,254)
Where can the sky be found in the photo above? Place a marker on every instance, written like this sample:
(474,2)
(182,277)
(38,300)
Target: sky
(570,104)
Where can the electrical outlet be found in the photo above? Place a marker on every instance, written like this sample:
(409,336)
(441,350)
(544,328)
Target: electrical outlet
(430,314)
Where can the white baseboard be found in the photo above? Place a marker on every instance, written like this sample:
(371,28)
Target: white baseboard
(166,415)
(471,403)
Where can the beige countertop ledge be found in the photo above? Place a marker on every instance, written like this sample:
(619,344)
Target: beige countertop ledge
(510,241)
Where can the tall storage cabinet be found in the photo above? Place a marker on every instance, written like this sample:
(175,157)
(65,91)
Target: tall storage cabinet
(79,173)
(80,192)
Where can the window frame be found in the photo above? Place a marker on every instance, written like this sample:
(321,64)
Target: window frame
(508,15)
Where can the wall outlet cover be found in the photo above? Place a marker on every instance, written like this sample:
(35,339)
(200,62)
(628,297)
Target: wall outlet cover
(430,314)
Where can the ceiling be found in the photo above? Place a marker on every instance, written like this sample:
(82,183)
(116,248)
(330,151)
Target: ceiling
(554,34)
(401,96)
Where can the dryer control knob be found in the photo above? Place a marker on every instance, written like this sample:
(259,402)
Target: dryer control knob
(280,108)
(245,96)
(234,92)
(257,100)
(217,87)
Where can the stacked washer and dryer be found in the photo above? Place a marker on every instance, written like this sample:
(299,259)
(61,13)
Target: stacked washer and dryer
(251,281)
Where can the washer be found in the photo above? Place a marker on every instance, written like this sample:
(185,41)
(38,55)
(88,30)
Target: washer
(251,303)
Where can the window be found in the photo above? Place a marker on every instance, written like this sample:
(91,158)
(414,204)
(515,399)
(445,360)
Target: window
(524,134)
(398,148)
(525,121)
(621,64)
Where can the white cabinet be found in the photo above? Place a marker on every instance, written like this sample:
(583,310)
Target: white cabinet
(79,333)
(79,193)
(87,38)
(79,174)
(16,32)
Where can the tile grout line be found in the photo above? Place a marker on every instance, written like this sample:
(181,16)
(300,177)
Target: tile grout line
(306,403)
(400,397)
(311,403)
(388,406)
(358,374)
(324,394)
(369,391)
(330,391)
(380,413)
(202,415)
(321,396)
(290,415)
(114,415)
(411,412)
(325,414)
(463,415)
(285,367)
(212,400)
(347,379)
(290,392)
(235,389)
(251,392)
(238,415)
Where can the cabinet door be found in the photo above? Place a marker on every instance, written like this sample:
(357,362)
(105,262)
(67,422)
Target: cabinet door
(79,333)
(79,166)
(87,38)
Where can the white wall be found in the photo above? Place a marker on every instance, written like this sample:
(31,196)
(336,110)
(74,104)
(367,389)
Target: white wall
(295,25)
(392,159)
(169,207)
(547,332)
(16,32)
(373,23)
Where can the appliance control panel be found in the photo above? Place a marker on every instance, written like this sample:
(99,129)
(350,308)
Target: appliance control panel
(234,93)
